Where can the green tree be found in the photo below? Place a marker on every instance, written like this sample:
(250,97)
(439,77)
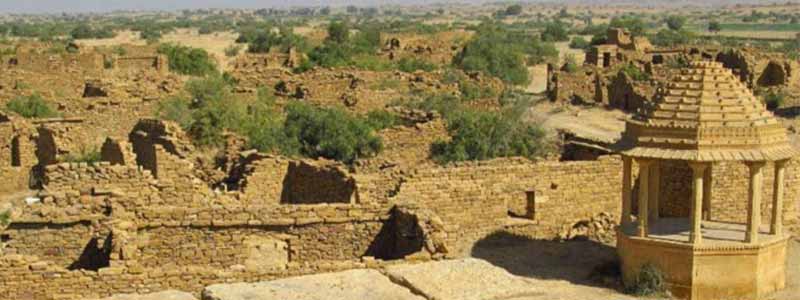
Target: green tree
(714,27)
(633,24)
(497,52)
(513,10)
(579,42)
(338,32)
(330,133)
(481,135)
(188,61)
(675,22)
(555,32)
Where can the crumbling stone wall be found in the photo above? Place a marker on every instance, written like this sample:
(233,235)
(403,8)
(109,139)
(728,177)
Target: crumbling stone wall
(158,62)
(62,244)
(298,182)
(477,199)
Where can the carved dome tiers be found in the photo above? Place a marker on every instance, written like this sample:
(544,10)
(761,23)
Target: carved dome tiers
(706,114)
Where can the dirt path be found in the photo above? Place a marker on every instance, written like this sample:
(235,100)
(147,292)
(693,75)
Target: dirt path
(594,122)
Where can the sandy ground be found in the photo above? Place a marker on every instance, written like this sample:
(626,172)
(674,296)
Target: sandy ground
(591,122)
(214,43)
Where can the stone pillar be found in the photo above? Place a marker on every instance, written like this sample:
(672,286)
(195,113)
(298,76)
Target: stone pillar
(644,180)
(654,190)
(698,175)
(776,227)
(707,181)
(754,204)
(626,190)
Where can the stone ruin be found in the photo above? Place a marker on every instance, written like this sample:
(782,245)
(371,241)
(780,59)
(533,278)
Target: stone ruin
(142,220)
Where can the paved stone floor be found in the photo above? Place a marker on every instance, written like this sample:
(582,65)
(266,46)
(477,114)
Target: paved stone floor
(715,233)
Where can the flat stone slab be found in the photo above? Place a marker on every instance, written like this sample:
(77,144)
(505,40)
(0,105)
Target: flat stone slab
(165,295)
(463,279)
(347,285)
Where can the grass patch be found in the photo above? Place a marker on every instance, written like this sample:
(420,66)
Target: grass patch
(33,106)
(649,282)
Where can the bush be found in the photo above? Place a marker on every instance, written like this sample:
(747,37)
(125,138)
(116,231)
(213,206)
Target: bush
(472,91)
(331,133)
(151,35)
(570,63)
(33,106)
(85,155)
(481,135)
(513,10)
(411,65)
(175,109)
(634,73)
(774,100)
(555,32)
(263,41)
(633,24)
(675,22)
(497,52)
(381,119)
(84,31)
(668,37)
(5,218)
(187,60)
(579,42)
(232,50)
(649,282)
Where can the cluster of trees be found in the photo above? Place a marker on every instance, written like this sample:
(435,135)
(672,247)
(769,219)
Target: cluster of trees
(502,53)
(263,39)
(210,109)
(84,31)
(187,60)
(479,134)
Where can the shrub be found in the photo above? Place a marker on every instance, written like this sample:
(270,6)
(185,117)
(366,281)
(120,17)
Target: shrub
(85,155)
(381,119)
(481,135)
(5,218)
(668,37)
(774,100)
(263,125)
(151,35)
(675,22)
(555,32)
(330,132)
(175,109)
(513,10)
(411,65)
(570,63)
(262,41)
(232,50)
(84,31)
(634,73)
(188,61)
(497,52)
(579,42)
(472,91)
(387,84)
(33,106)
(633,24)
(649,282)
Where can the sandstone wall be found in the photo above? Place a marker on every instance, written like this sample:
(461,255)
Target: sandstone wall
(477,199)
(729,192)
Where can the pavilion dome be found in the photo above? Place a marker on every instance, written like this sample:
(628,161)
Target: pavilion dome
(706,114)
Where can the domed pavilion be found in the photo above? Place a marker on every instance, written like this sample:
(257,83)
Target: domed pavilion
(704,116)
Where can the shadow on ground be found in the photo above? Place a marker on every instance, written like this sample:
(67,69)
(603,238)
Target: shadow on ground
(582,262)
